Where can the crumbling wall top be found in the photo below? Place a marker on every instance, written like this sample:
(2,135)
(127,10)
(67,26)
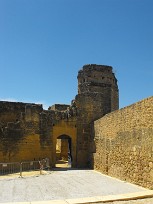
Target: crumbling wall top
(17,104)
(95,67)
(58,107)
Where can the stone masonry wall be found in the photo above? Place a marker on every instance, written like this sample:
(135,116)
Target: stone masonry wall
(97,96)
(25,132)
(124,143)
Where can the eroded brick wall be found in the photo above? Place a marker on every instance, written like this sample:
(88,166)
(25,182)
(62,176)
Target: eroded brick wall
(124,143)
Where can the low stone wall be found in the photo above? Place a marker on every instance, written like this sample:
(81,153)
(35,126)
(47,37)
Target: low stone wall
(124,143)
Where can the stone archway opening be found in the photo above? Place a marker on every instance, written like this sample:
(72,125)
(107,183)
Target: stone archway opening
(63,151)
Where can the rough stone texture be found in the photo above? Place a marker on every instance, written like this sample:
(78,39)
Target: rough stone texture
(27,132)
(58,107)
(21,128)
(124,143)
(97,96)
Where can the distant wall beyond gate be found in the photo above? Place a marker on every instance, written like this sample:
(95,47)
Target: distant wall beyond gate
(124,143)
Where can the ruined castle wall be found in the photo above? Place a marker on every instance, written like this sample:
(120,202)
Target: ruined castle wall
(10,111)
(65,127)
(25,132)
(124,143)
(89,110)
(97,96)
(27,149)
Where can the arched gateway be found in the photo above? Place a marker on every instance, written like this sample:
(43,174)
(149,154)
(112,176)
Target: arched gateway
(64,143)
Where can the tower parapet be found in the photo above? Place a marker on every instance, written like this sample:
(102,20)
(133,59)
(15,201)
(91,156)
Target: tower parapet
(92,78)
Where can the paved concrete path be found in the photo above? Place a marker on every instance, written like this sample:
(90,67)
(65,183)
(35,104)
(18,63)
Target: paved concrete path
(61,185)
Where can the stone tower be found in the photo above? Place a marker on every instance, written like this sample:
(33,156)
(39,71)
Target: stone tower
(97,96)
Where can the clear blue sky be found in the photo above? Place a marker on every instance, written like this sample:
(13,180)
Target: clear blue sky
(44,43)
